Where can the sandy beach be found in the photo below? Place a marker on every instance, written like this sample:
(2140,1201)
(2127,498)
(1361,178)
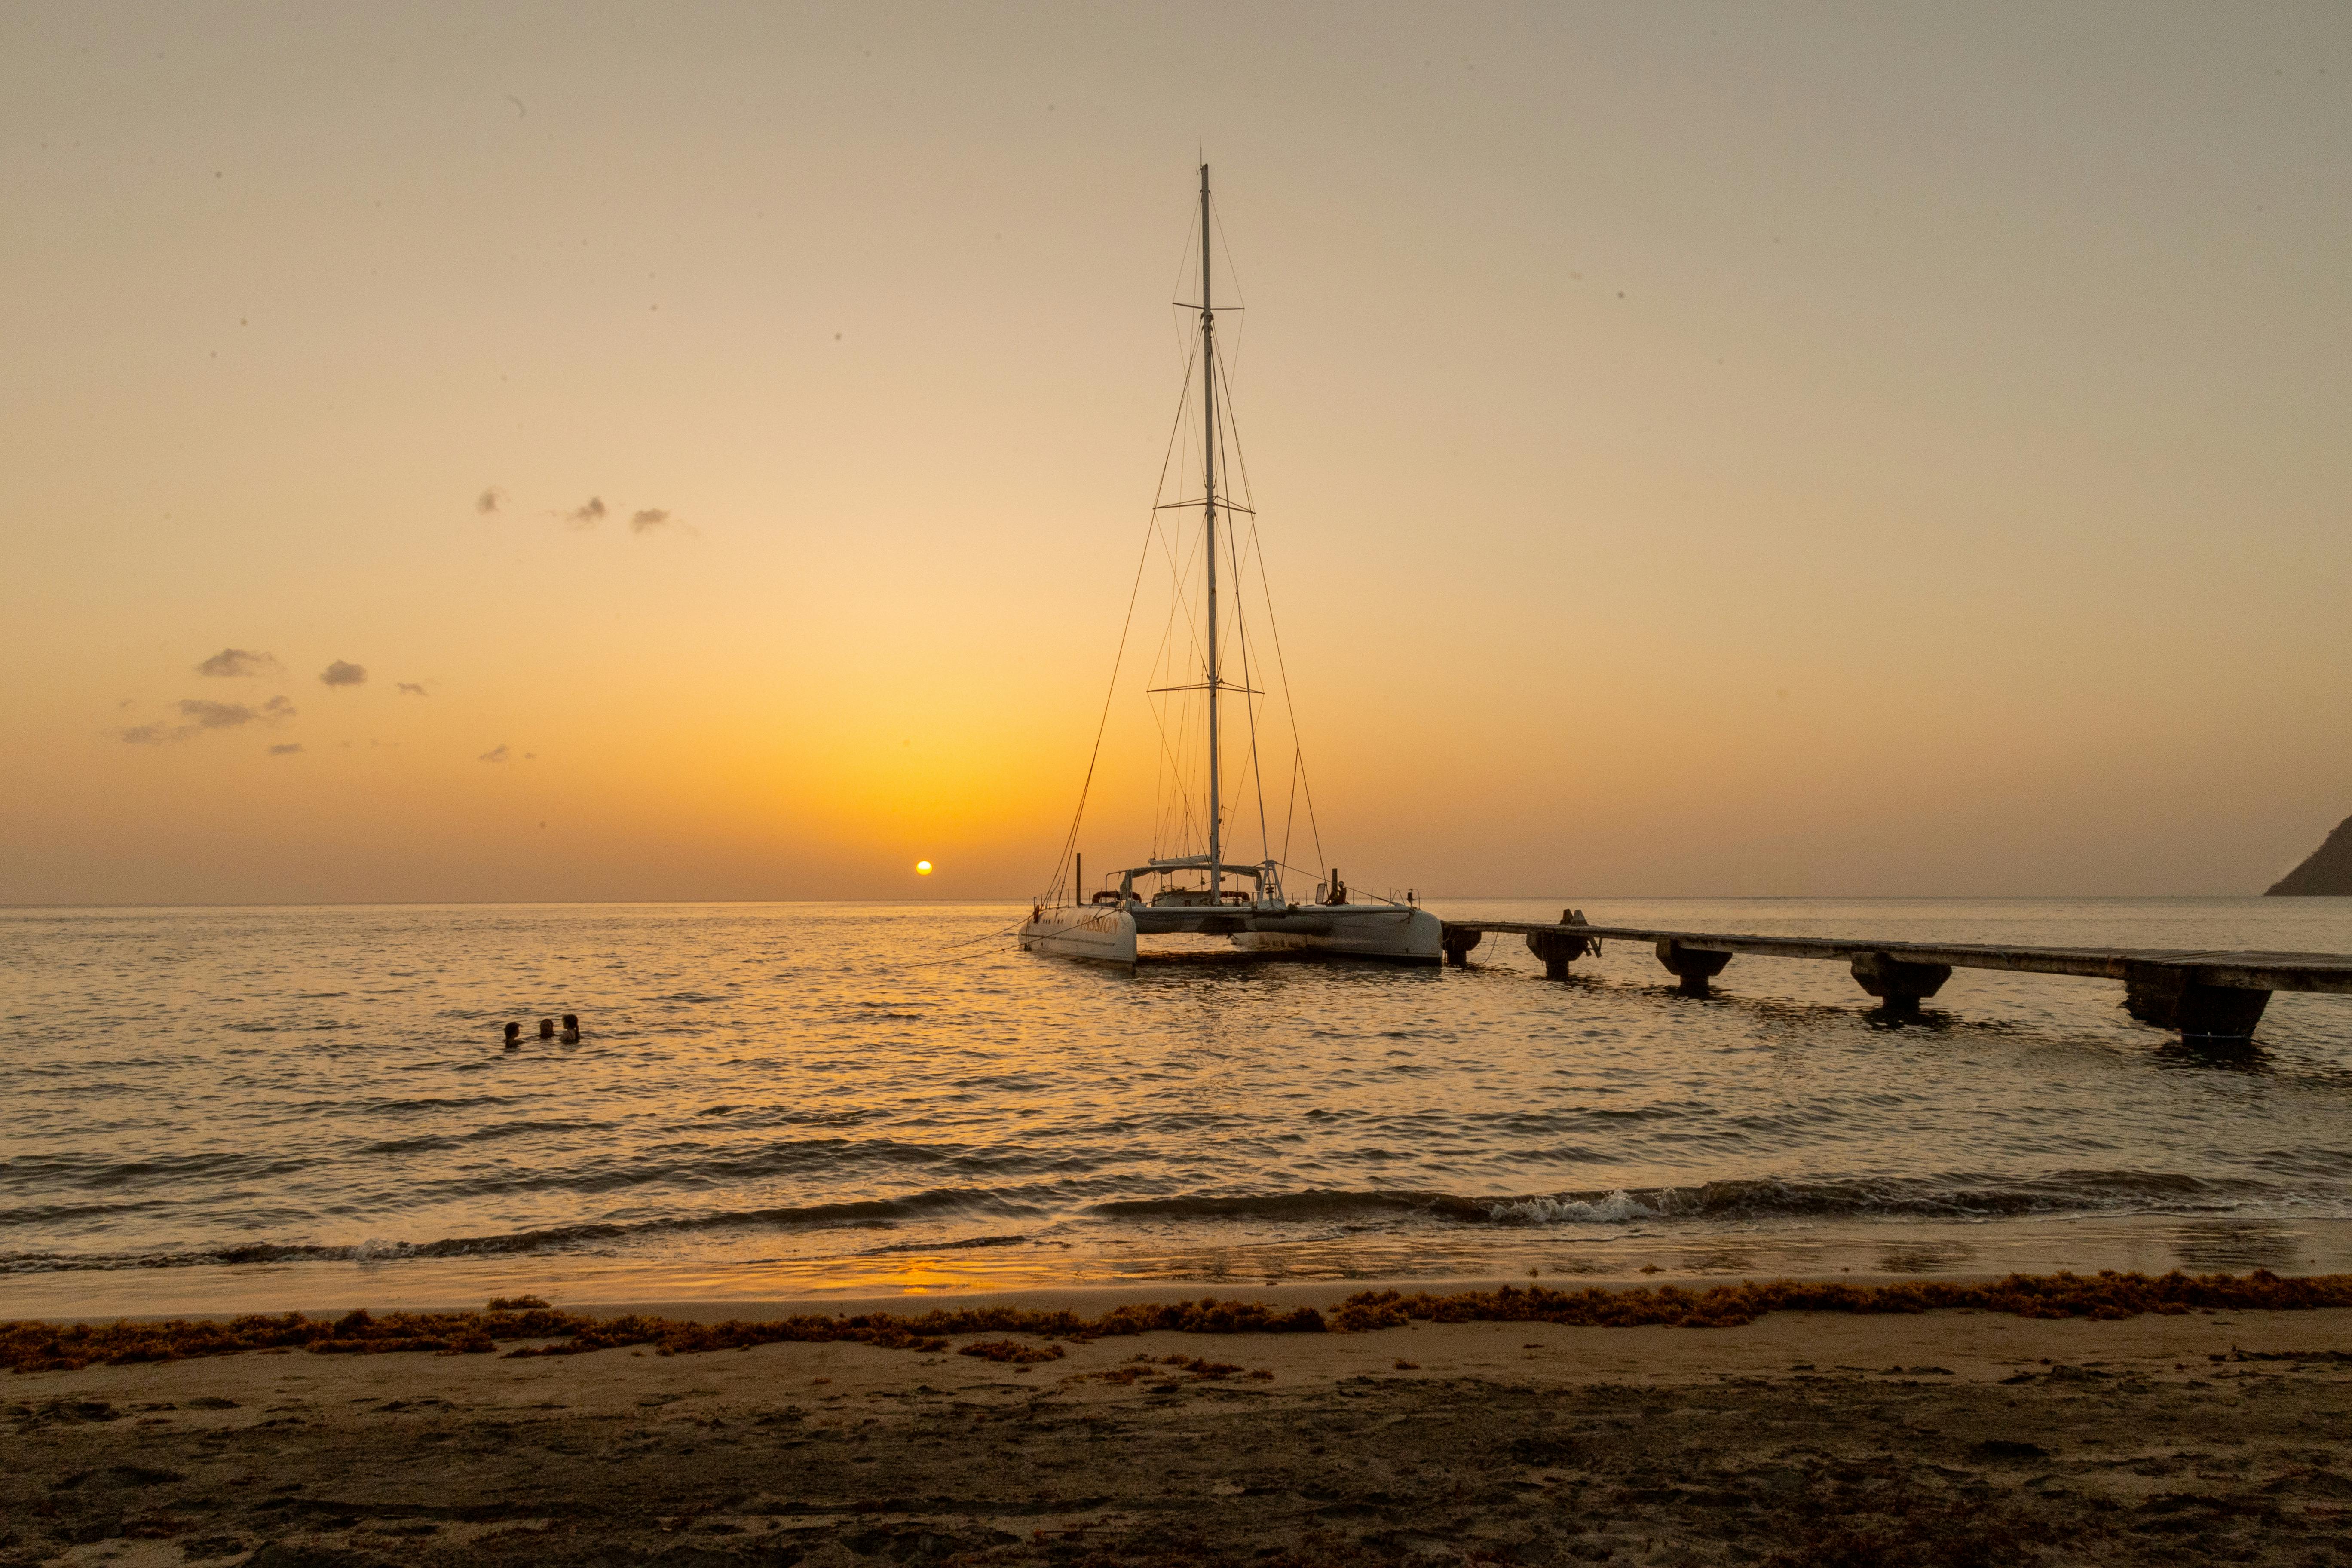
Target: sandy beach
(1944,1438)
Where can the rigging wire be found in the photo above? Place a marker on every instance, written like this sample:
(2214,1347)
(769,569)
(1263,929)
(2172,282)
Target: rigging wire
(1180,801)
(1183,259)
(1217,222)
(959,957)
(1273,625)
(1070,843)
(1290,807)
(1241,618)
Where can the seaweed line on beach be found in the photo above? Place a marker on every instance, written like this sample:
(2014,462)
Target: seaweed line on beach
(536,1329)
(2105,1295)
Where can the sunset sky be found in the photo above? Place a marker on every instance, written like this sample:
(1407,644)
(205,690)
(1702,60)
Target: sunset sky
(1736,449)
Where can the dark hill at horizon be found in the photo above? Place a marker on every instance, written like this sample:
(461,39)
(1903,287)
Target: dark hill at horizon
(2327,873)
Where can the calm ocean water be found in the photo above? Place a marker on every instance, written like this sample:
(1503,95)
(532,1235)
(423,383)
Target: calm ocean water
(277,1106)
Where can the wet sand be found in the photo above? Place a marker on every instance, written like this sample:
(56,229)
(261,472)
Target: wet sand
(1950,1438)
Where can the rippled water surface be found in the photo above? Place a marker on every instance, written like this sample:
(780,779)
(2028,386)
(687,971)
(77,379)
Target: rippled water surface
(312,1107)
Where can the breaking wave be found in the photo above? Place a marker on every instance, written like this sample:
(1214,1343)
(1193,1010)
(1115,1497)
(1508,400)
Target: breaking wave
(876,1215)
(1713,1204)
(2070,1193)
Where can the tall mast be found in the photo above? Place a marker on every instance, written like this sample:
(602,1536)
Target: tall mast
(1209,492)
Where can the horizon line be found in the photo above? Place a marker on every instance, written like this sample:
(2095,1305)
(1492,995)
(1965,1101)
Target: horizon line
(1448,898)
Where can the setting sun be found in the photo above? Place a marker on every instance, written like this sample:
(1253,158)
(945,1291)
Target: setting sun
(922,867)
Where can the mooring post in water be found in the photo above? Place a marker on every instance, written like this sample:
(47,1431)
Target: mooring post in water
(1457,942)
(1901,986)
(2171,997)
(1694,965)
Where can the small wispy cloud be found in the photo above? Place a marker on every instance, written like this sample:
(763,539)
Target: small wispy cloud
(410,689)
(217,715)
(590,512)
(495,754)
(343,673)
(288,749)
(199,714)
(206,715)
(239,661)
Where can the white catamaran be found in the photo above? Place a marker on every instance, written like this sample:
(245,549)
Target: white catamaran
(1203,893)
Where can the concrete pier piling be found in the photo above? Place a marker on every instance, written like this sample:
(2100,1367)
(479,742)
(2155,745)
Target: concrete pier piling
(2172,998)
(1900,987)
(2209,997)
(1559,949)
(1694,966)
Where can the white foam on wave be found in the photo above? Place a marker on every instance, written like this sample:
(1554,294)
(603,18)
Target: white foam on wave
(1620,1207)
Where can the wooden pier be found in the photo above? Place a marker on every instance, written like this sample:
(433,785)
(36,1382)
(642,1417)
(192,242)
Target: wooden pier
(2205,995)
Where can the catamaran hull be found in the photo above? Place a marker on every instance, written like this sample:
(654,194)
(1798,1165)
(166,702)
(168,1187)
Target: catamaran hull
(1399,936)
(1103,934)
(1106,934)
